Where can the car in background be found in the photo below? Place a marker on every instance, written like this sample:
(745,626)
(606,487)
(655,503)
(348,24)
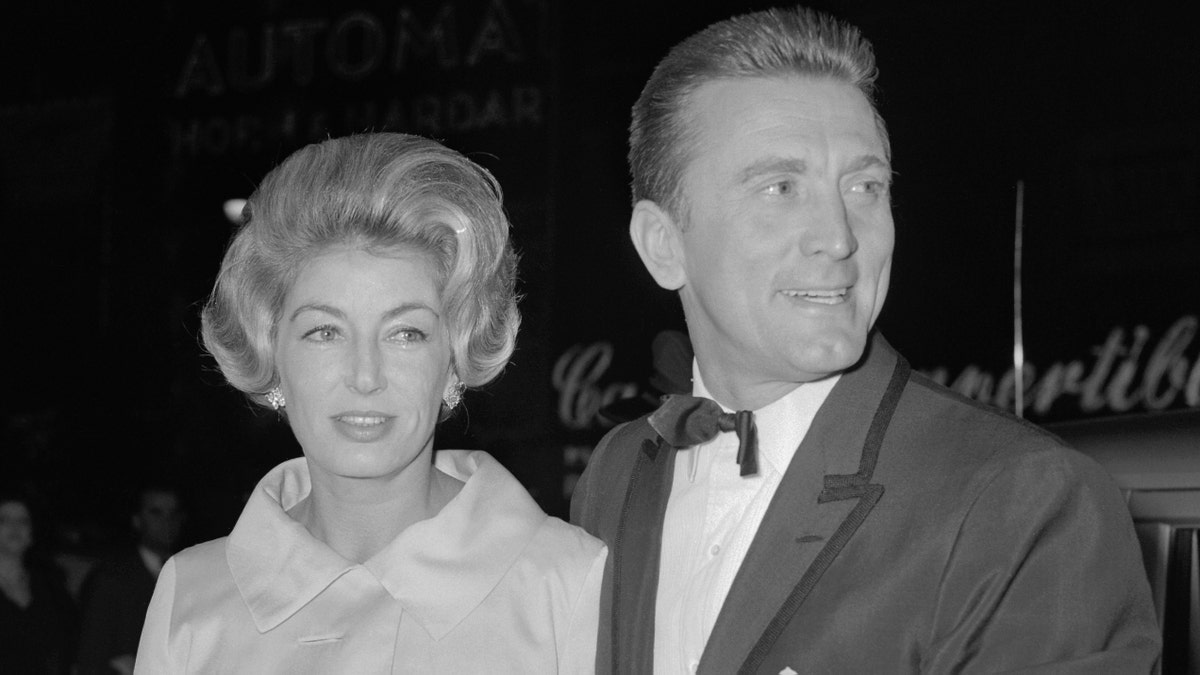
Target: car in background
(1155,460)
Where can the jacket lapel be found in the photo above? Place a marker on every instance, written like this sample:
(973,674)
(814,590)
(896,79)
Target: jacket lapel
(824,496)
(636,551)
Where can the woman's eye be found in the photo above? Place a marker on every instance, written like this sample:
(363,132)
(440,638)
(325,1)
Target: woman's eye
(322,334)
(408,335)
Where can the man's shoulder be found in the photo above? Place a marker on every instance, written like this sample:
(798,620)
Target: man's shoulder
(119,565)
(608,471)
(948,410)
(619,446)
(953,430)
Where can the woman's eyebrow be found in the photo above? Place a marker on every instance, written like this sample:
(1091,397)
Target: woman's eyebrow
(317,307)
(408,307)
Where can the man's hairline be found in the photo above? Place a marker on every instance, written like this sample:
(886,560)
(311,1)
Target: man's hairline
(677,205)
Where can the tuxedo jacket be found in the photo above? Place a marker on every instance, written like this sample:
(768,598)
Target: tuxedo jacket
(915,531)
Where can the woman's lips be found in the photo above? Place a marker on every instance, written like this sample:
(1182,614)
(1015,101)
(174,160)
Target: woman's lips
(363,427)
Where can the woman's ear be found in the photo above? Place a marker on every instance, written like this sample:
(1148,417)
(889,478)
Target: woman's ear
(659,242)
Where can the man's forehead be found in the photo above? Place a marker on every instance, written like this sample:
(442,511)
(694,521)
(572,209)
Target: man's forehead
(737,92)
(160,499)
(724,112)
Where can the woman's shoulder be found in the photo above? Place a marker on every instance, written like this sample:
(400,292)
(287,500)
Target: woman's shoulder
(495,496)
(567,540)
(202,561)
(199,580)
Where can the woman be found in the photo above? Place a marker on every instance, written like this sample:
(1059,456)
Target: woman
(372,281)
(37,617)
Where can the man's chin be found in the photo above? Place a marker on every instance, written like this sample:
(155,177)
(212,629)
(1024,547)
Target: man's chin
(826,358)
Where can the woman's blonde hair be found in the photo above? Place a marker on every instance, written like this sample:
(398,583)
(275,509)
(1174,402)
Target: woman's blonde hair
(379,193)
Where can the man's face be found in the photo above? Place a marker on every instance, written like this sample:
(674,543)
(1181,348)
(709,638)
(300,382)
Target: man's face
(787,245)
(159,521)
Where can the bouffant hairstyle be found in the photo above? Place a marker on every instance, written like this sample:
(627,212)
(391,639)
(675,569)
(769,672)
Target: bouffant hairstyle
(377,192)
(771,43)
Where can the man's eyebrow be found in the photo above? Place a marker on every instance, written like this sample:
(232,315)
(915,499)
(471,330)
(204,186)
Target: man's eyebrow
(770,165)
(317,307)
(868,161)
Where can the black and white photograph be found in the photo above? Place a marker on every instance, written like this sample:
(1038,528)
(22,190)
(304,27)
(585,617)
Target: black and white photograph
(402,336)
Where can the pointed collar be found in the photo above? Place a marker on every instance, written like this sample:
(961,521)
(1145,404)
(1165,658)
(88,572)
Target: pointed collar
(783,423)
(439,569)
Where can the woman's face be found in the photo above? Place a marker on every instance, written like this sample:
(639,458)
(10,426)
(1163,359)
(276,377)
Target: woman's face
(16,528)
(364,359)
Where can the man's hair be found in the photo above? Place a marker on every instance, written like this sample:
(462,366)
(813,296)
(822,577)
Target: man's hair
(771,43)
(379,193)
(156,487)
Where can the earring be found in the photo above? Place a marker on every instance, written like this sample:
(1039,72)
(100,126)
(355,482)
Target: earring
(453,395)
(275,398)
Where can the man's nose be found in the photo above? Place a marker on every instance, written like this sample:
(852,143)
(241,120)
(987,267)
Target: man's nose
(829,230)
(365,370)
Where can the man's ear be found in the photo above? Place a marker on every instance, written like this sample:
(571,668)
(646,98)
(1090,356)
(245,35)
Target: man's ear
(659,242)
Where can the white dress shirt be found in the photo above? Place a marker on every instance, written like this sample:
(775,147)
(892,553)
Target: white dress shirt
(712,516)
(152,560)
(489,584)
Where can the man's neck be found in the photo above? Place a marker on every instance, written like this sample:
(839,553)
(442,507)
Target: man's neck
(735,395)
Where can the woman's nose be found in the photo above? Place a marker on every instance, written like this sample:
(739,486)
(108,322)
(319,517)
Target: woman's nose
(365,374)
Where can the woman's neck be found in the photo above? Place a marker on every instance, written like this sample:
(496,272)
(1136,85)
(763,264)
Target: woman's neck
(358,517)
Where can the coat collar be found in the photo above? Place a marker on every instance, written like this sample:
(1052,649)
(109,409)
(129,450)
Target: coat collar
(439,569)
(826,494)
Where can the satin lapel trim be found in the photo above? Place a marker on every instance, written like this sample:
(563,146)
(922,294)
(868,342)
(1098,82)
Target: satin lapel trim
(824,496)
(636,551)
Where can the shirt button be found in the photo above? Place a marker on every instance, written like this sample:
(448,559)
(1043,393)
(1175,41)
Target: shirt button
(715,550)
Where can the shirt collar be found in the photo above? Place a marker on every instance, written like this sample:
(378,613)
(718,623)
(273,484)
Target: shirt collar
(783,423)
(439,569)
(152,561)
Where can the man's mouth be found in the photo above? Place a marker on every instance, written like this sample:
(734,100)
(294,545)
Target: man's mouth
(835,296)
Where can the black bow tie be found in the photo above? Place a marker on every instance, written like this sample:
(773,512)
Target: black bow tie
(684,421)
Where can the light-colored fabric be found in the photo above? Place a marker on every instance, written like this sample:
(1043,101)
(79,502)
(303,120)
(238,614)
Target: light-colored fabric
(712,516)
(490,584)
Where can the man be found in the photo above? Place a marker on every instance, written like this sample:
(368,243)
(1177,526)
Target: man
(117,593)
(887,525)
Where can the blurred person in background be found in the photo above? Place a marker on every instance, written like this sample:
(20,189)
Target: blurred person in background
(117,593)
(38,621)
(371,282)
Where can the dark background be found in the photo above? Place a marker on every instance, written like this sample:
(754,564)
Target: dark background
(124,127)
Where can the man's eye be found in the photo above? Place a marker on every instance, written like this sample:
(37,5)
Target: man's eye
(781,188)
(871,187)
